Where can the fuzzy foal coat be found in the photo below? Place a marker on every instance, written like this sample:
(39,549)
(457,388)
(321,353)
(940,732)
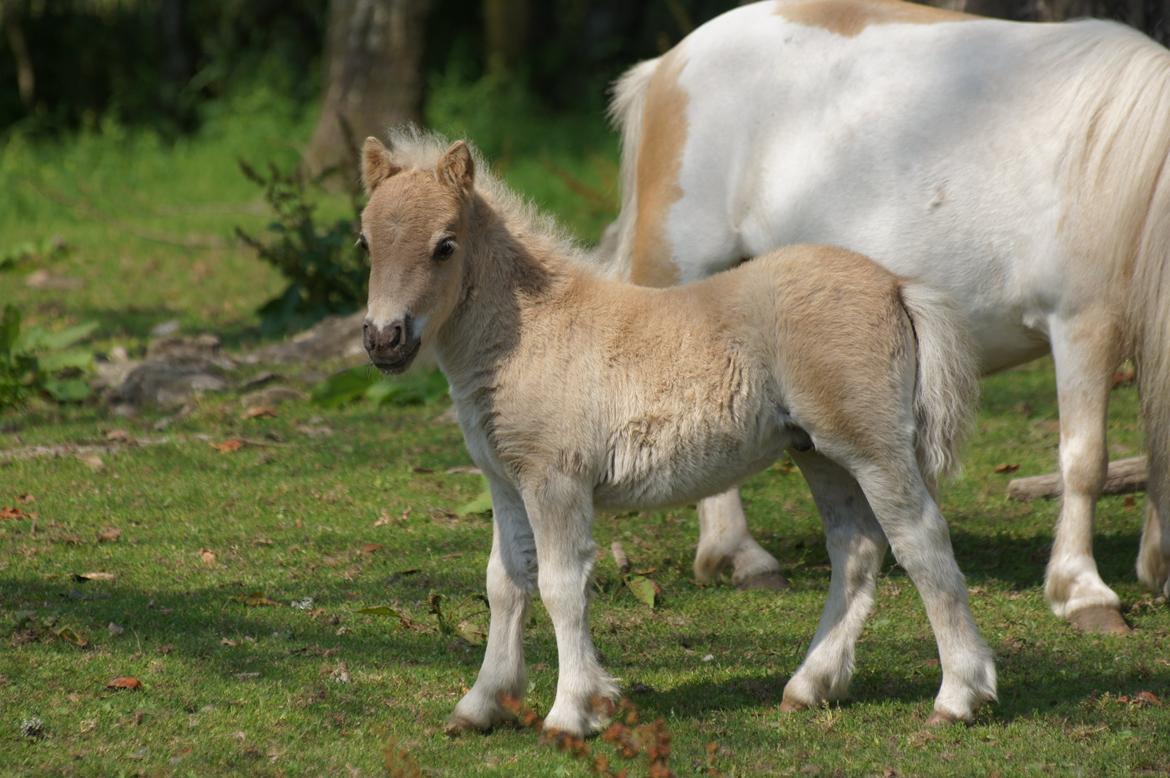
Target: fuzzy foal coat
(574,391)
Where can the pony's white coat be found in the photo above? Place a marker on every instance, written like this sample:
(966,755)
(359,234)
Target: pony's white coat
(1018,167)
(573,391)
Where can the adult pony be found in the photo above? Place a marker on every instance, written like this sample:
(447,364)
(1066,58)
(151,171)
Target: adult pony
(574,390)
(1019,167)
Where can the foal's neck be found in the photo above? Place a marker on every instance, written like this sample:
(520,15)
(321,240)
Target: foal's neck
(511,267)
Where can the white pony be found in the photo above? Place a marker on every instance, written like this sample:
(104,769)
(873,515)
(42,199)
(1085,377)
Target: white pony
(574,390)
(1019,167)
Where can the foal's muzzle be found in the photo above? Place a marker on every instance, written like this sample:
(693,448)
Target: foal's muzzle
(392,347)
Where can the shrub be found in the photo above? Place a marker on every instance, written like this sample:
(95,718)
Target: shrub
(326,271)
(34,360)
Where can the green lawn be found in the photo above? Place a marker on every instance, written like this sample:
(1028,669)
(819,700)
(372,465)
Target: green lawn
(216,547)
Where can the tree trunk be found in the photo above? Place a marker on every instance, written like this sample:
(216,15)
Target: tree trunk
(506,32)
(1125,475)
(26,79)
(373,61)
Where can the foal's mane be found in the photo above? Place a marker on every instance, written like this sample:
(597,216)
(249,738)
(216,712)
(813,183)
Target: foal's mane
(412,147)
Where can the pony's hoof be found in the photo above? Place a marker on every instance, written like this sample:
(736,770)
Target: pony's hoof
(772,581)
(942,718)
(1100,620)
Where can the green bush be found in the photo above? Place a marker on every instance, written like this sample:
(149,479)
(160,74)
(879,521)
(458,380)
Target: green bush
(326,271)
(34,360)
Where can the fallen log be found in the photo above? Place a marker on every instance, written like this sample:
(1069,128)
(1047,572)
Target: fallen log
(1125,475)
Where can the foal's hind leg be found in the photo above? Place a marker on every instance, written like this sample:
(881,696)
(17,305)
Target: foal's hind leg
(921,543)
(724,541)
(511,577)
(856,549)
(1085,351)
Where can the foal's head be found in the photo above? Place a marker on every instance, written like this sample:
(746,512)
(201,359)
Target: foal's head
(414,229)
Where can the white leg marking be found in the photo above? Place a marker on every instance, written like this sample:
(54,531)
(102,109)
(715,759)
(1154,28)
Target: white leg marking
(511,577)
(562,522)
(724,540)
(1073,586)
(921,543)
(856,549)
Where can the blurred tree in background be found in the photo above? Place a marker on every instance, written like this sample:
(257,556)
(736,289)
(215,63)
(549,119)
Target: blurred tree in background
(69,63)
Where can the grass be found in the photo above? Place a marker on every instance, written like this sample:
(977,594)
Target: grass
(215,547)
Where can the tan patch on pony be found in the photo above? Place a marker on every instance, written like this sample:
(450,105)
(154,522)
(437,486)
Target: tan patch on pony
(659,161)
(848,18)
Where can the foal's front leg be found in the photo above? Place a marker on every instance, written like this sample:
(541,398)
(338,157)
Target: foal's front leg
(561,512)
(511,577)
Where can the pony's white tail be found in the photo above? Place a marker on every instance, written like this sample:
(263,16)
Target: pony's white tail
(626,109)
(947,389)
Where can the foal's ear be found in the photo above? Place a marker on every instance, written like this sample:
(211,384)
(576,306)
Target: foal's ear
(456,168)
(377,165)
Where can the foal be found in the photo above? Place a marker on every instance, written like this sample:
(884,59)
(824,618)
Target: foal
(575,391)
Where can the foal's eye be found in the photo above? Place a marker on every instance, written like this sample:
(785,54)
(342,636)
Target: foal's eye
(444,249)
(363,244)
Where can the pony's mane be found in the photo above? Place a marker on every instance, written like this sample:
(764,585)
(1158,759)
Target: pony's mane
(412,147)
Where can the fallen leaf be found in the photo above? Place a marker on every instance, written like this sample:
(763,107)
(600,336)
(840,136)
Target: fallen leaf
(126,683)
(94,577)
(385,518)
(471,633)
(208,556)
(1129,501)
(260,412)
(643,588)
(255,600)
(93,462)
(109,535)
(228,446)
(70,635)
(371,548)
(1147,698)
(1007,468)
(118,436)
(619,557)
(25,499)
(9,512)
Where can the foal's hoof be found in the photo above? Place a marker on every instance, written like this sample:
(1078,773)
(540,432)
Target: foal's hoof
(457,725)
(942,718)
(1099,619)
(789,705)
(771,580)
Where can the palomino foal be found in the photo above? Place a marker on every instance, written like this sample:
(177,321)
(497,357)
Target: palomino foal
(575,391)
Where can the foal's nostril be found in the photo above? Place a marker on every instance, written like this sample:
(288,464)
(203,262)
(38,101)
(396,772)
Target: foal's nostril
(397,334)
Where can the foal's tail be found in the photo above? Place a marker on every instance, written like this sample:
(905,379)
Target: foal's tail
(947,389)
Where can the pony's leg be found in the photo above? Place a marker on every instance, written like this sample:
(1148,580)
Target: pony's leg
(561,512)
(511,577)
(724,540)
(1153,565)
(921,543)
(856,549)
(1085,356)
